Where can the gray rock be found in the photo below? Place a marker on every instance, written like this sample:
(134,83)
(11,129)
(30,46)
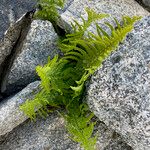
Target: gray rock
(12,10)
(50,134)
(124,7)
(18,133)
(10,114)
(118,92)
(115,8)
(147,3)
(12,42)
(38,45)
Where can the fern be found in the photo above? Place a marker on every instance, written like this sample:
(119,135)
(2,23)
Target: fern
(79,30)
(91,51)
(63,79)
(80,126)
(48,9)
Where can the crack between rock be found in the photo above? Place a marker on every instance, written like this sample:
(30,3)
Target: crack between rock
(15,50)
(143,5)
(61,28)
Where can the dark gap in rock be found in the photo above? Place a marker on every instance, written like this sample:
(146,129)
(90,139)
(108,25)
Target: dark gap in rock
(61,27)
(16,8)
(24,24)
(143,5)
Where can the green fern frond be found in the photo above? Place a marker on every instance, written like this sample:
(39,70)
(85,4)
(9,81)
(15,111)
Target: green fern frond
(79,30)
(92,17)
(63,79)
(37,106)
(94,50)
(80,126)
(48,9)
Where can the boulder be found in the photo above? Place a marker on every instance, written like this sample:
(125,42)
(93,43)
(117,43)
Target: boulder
(17,132)
(118,93)
(39,43)
(50,134)
(10,114)
(24,46)
(115,8)
(12,42)
(146,3)
(11,11)
(102,99)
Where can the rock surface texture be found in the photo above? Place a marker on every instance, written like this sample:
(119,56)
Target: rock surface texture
(18,133)
(11,11)
(38,45)
(114,8)
(10,114)
(147,3)
(136,53)
(119,94)
(11,45)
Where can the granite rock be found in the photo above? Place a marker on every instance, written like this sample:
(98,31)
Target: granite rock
(118,93)
(114,8)
(17,132)
(50,134)
(11,11)
(12,42)
(147,3)
(10,114)
(39,43)
(12,35)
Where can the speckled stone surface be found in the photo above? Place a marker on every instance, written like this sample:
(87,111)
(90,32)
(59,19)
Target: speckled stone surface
(12,35)
(38,45)
(147,3)
(10,115)
(118,92)
(114,8)
(18,133)
(50,134)
(12,10)
(122,110)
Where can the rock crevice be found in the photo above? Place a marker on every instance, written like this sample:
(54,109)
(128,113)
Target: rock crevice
(28,43)
(11,46)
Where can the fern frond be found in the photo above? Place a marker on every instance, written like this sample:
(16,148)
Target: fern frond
(63,79)
(97,48)
(92,17)
(38,105)
(48,9)
(80,126)
(80,29)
